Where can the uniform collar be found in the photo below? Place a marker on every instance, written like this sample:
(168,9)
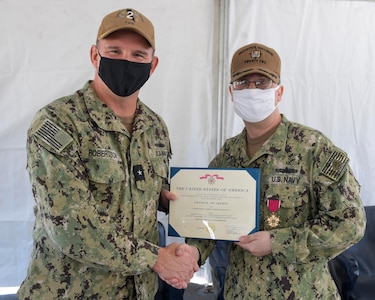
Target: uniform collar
(274,146)
(106,119)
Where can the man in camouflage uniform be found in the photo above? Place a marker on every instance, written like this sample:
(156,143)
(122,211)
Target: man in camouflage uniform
(98,162)
(310,208)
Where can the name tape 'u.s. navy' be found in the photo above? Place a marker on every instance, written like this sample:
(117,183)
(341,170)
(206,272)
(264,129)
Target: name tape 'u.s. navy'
(335,165)
(53,135)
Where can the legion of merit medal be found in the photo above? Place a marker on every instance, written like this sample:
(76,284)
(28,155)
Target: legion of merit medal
(273,205)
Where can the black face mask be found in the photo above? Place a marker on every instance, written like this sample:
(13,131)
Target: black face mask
(123,77)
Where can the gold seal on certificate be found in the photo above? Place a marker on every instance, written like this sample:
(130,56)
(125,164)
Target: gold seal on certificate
(220,204)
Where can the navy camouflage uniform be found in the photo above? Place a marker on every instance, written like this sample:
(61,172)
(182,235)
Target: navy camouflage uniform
(97,190)
(321,215)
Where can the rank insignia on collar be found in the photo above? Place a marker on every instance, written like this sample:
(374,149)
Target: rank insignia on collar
(273,206)
(138,173)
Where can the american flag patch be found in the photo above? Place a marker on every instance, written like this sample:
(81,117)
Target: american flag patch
(335,165)
(53,135)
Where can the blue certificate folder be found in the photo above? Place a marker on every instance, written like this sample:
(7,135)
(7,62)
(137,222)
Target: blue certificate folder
(214,203)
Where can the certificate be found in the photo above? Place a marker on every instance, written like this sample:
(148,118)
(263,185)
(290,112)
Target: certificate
(219,204)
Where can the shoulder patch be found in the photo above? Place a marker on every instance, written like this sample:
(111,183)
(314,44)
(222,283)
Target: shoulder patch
(53,135)
(335,165)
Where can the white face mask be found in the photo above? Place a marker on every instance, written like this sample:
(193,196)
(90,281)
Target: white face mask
(254,105)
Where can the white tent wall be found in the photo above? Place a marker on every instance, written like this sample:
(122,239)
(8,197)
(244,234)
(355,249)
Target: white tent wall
(327,49)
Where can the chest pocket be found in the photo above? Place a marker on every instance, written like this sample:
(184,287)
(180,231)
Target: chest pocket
(106,180)
(294,203)
(155,173)
(160,166)
(105,171)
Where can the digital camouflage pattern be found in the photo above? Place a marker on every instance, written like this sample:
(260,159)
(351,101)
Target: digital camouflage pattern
(96,191)
(321,215)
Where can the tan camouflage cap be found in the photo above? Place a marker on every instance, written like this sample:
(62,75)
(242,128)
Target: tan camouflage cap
(256,58)
(129,19)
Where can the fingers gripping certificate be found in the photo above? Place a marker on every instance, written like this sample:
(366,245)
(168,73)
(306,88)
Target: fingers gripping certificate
(220,204)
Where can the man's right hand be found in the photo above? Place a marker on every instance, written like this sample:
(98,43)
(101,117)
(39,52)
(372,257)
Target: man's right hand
(176,264)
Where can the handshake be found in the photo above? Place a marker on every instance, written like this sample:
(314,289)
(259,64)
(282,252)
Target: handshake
(176,264)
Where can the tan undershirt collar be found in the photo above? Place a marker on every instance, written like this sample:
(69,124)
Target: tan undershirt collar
(254,144)
(128,122)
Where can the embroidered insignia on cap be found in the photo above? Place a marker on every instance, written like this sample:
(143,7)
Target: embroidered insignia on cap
(335,165)
(255,53)
(53,135)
